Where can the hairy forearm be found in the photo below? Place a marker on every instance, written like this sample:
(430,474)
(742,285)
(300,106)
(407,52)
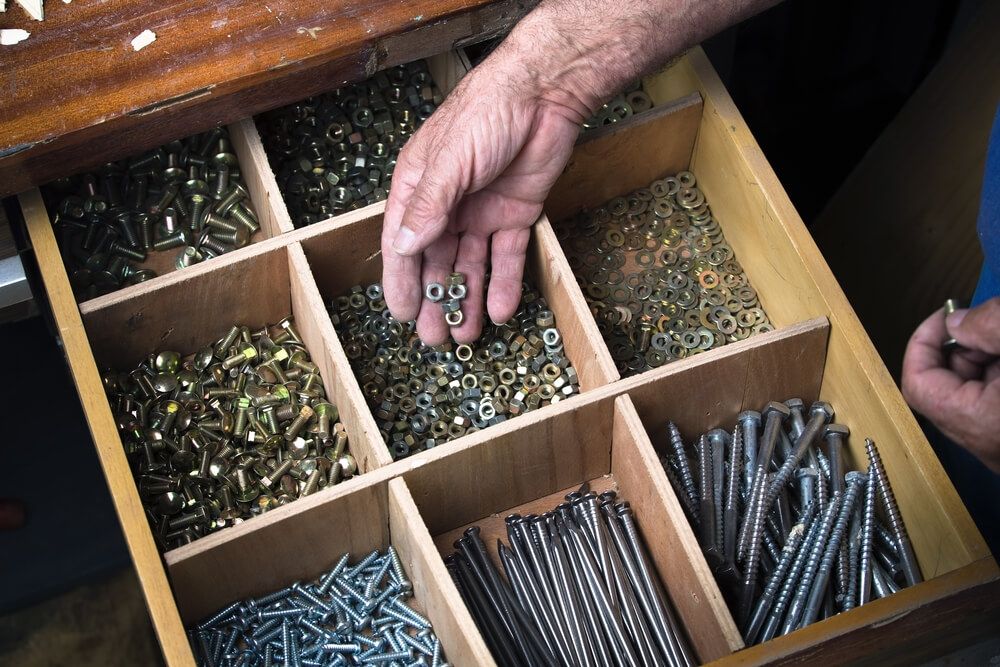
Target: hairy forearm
(579,53)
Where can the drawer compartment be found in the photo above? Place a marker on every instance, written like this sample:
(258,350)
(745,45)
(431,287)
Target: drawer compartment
(276,554)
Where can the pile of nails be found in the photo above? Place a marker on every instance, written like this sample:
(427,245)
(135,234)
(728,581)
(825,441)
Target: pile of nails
(580,590)
(238,428)
(456,292)
(791,538)
(352,615)
(187,195)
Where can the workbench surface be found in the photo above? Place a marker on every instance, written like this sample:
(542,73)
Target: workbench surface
(76,94)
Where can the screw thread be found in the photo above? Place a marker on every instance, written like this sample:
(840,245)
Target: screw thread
(907,558)
(788,586)
(705,490)
(735,461)
(682,494)
(831,550)
(679,459)
(812,563)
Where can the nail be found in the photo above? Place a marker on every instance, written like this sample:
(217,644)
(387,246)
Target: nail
(405,241)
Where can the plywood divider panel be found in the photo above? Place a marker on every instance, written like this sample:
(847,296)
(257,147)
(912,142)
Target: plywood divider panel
(260,181)
(781,258)
(282,550)
(432,584)
(580,335)
(447,69)
(110,453)
(622,157)
(518,465)
(366,442)
(187,314)
(785,363)
(672,543)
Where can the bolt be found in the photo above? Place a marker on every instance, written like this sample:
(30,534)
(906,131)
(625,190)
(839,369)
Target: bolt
(797,605)
(950,306)
(855,482)
(750,532)
(907,558)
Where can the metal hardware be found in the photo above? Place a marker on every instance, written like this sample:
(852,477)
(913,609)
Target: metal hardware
(352,614)
(152,203)
(227,433)
(423,397)
(337,152)
(658,275)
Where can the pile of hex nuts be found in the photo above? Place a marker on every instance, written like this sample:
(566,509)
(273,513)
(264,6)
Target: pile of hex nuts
(336,152)
(238,428)
(423,396)
(187,196)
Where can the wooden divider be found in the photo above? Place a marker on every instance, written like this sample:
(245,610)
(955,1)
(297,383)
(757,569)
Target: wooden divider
(527,470)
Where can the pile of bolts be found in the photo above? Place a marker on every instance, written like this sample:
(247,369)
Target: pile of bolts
(240,427)
(579,590)
(186,196)
(352,615)
(791,538)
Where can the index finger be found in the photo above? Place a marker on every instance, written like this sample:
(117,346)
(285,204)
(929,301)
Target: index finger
(401,273)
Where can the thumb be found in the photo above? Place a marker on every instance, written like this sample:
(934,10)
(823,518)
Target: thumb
(977,328)
(430,206)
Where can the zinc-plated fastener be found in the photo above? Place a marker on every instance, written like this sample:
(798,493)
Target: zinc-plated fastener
(907,558)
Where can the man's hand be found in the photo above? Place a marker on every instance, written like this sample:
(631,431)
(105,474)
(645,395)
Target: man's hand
(469,184)
(959,392)
(466,189)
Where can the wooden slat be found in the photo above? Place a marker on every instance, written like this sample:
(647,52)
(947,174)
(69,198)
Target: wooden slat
(700,394)
(432,584)
(281,550)
(124,495)
(619,158)
(366,442)
(912,626)
(78,95)
(259,178)
(550,271)
(672,543)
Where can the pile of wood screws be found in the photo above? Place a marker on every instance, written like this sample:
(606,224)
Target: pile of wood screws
(579,590)
(790,537)
(186,196)
(659,276)
(423,396)
(238,428)
(336,152)
(352,615)
(456,292)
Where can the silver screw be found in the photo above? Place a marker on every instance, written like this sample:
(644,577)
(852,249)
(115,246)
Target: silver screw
(908,559)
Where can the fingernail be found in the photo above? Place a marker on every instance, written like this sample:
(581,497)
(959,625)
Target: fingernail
(954,320)
(405,241)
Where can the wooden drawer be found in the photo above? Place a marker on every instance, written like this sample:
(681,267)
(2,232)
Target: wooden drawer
(611,429)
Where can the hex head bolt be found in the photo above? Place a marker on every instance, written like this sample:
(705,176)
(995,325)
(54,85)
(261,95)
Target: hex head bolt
(908,560)
(679,459)
(802,591)
(749,423)
(753,519)
(774,414)
(819,415)
(855,482)
(763,605)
